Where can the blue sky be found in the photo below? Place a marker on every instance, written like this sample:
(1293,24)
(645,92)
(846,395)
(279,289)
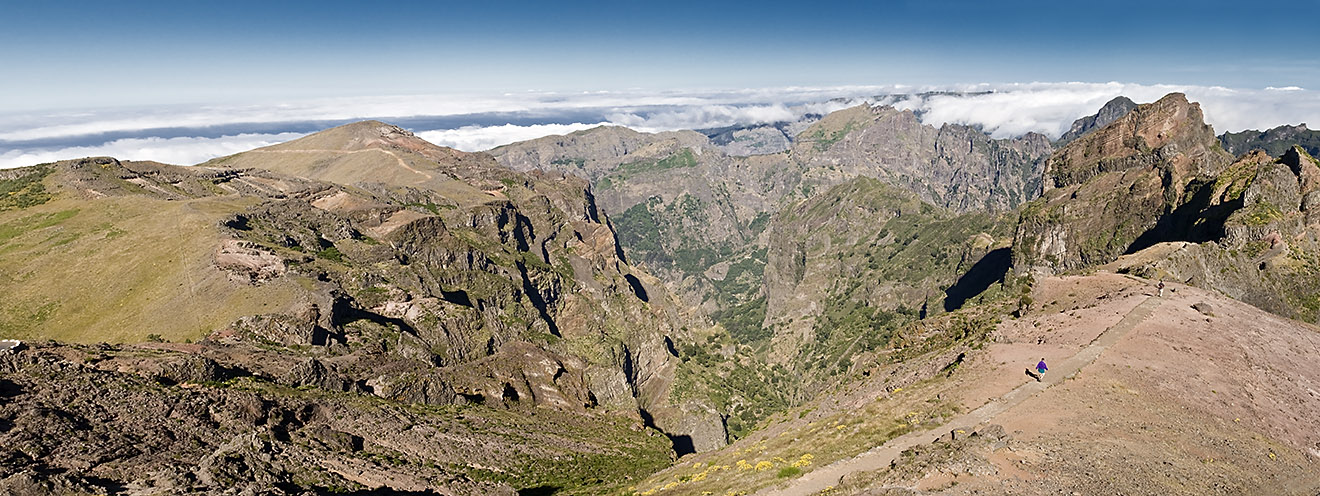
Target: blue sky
(80,54)
(185,81)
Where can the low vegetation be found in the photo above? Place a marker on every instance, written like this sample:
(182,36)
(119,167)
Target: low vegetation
(23,188)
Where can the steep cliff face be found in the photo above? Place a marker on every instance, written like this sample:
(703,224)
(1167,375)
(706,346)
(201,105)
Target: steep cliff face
(690,213)
(1269,251)
(1112,111)
(954,166)
(1106,192)
(1154,194)
(479,262)
(851,265)
(680,204)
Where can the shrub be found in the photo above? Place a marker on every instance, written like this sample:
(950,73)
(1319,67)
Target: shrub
(787,472)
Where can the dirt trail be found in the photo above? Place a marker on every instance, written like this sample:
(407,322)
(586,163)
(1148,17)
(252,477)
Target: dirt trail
(341,152)
(881,456)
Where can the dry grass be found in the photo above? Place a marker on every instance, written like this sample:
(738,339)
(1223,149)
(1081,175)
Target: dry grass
(118,269)
(757,462)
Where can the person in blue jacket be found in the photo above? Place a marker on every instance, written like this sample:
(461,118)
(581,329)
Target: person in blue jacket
(1041,368)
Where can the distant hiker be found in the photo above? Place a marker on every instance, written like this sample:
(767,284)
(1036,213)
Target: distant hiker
(1041,368)
(1161,288)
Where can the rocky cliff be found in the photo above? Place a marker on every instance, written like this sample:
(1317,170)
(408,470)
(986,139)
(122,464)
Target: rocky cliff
(1112,111)
(1154,194)
(691,213)
(1106,192)
(381,264)
(1269,251)
(953,166)
(853,264)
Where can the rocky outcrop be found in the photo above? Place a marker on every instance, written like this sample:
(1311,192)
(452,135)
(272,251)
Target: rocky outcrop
(493,277)
(1154,194)
(1269,249)
(247,262)
(1112,111)
(122,430)
(1106,193)
(1170,133)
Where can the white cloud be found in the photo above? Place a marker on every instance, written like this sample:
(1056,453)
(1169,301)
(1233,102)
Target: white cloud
(478,138)
(1003,110)
(185,150)
(28,126)
(1049,108)
(716,116)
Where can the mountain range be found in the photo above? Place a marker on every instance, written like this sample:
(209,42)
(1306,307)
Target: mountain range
(840,303)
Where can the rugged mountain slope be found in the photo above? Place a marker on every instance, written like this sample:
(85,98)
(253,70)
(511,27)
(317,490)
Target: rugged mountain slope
(1192,393)
(681,205)
(1269,255)
(1158,176)
(849,266)
(691,214)
(1112,111)
(210,419)
(1106,192)
(444,280)
(955,167)
(780,249)
(1274,141)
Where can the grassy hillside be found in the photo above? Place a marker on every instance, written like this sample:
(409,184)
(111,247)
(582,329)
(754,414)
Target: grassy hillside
(120,269)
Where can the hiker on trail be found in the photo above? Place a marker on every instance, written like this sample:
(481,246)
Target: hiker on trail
(1041,368)
(1161,287)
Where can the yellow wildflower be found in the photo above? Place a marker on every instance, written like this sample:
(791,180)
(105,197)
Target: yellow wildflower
(764,465)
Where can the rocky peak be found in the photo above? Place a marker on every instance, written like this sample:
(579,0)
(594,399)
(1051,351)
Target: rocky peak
(1170,133)
(1112,111)
(1123,187)
(1304,166)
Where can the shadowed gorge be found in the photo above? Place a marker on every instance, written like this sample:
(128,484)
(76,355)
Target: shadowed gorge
(987,271)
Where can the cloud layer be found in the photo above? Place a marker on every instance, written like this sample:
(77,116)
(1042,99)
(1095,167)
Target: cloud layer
(188,135)
(168,150)
(475,138)
(1050,108)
